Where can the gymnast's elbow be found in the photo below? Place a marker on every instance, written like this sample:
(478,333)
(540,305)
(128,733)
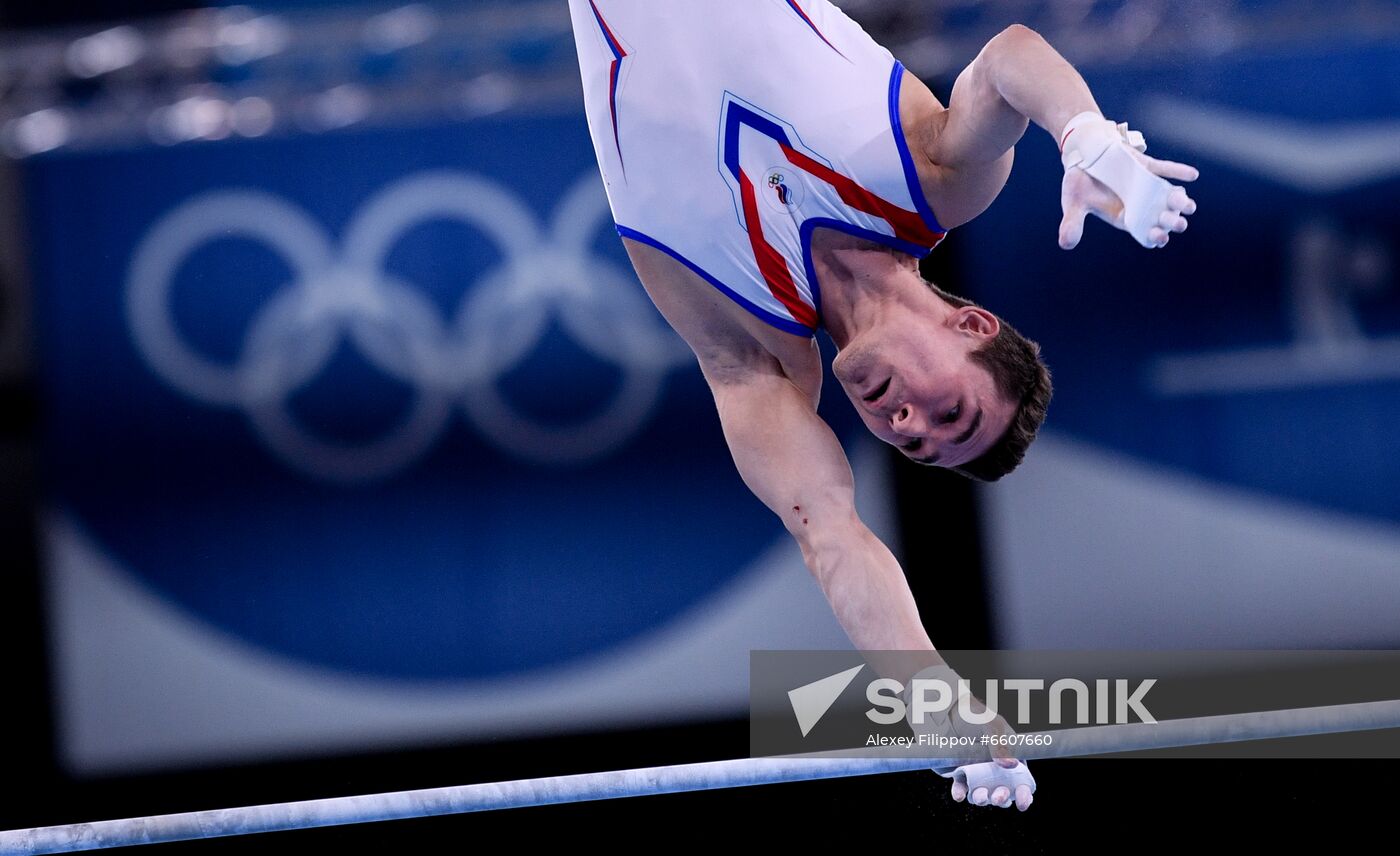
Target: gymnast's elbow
(1016,35)
(1007,47)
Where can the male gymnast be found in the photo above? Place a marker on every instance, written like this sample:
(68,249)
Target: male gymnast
(772,170)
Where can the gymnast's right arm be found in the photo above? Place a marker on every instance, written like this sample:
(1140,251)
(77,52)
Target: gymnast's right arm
(792,461)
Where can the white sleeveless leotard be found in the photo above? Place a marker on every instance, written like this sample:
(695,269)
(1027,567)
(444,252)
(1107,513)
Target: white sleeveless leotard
(728,130)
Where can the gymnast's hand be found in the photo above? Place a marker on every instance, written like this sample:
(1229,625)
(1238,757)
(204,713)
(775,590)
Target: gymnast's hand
(1001,783)
(1108,175)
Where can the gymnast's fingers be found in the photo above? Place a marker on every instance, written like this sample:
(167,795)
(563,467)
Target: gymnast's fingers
(1179,201)
(1024,797)
(1072,226)
(1172,169)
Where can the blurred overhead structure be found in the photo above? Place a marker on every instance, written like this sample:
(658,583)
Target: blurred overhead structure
(207,74)
(936,39)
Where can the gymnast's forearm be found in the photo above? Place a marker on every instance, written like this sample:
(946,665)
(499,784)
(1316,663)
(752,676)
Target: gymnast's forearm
(793,462)
(865,586)
(1033,80)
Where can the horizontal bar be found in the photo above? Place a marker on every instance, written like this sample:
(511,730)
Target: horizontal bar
(462,799)
(742,772)
(1212,730)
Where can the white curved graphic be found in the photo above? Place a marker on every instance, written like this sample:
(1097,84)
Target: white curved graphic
(1148,557)
(336,295)
(1315,158)
(144,684)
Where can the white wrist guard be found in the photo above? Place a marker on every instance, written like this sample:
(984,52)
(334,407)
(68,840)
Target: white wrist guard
(1103,149)
(945,724)
(991,775)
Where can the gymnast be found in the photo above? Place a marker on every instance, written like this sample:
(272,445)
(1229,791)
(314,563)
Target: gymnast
(773,171)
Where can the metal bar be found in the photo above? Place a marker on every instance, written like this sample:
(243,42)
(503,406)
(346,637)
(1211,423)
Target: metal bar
(743,772)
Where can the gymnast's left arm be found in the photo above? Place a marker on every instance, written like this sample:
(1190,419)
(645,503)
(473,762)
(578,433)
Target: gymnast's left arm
(1017,79)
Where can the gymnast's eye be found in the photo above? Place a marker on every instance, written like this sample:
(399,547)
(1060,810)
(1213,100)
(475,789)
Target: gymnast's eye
(952,415)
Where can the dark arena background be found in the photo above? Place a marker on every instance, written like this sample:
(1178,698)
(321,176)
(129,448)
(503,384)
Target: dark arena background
(446,529)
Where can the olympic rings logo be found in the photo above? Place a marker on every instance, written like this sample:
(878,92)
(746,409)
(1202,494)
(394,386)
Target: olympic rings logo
(547,273)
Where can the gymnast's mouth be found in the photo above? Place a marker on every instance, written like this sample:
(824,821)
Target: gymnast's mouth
(878,391)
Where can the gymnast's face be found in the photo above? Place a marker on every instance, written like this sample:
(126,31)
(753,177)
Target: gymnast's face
(914,383)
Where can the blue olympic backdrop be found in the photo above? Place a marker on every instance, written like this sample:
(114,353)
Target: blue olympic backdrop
(1221,462)
(388,407)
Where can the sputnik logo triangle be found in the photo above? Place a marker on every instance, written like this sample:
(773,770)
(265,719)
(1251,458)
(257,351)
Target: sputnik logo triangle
(810,702)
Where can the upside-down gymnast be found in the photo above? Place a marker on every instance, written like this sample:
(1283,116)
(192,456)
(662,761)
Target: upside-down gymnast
(772,171)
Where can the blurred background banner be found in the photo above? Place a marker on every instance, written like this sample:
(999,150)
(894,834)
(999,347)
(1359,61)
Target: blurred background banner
(1221,462)
(334,422)
(370,435)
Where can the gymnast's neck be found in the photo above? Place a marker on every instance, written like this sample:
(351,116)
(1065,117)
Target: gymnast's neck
(861,282)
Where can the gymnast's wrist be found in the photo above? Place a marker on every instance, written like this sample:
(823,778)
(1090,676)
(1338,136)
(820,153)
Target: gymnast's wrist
(1076,122)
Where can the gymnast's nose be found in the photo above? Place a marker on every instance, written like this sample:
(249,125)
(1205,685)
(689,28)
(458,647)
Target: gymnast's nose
(907,421)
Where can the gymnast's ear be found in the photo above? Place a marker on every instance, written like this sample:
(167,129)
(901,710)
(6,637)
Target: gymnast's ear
(975,321)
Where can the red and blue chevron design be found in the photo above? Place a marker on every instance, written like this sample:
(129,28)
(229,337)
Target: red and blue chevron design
(909,228)
(614,69)
(803,15)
